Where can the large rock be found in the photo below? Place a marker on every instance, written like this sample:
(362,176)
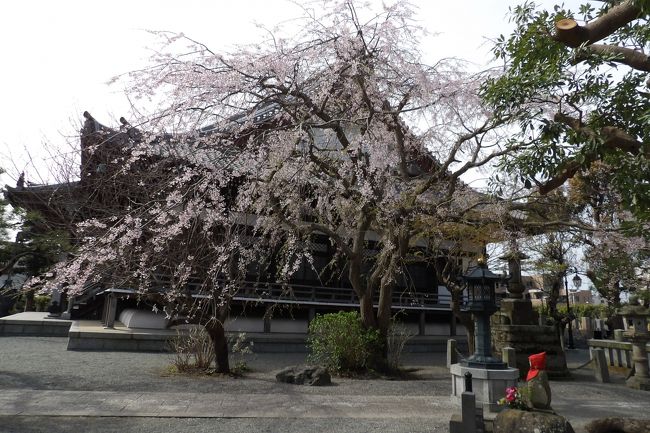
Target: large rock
(314,375)
(520,421)
(619,425)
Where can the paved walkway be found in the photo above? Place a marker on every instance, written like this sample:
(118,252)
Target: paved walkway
(14,402)
(194,405)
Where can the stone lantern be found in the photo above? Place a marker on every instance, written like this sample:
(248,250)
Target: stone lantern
(481,302)
(637,315)
(490,376)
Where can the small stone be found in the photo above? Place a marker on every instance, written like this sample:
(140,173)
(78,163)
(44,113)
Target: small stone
(313,375)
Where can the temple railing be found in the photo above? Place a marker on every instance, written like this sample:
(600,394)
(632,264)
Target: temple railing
(306,294)
(335,296)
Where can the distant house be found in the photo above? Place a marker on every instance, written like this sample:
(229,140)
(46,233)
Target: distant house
(538,288)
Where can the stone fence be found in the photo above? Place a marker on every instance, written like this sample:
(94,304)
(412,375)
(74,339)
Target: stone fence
(618,353)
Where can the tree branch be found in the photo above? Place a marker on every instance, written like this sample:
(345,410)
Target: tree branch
(571,34)
(627,56)
(613,138)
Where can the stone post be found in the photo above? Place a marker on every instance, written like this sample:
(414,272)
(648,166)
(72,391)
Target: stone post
(618,335)
(468,406)
(68,312)
(509,356)
(601,370)
(467,423)
(452,352)
(641,378)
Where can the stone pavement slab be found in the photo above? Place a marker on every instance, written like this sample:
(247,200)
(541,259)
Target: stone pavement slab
(14,402)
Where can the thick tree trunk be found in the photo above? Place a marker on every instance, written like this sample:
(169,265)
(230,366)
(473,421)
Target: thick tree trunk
(30,304)
(367,311)
(218,337)
(384,309)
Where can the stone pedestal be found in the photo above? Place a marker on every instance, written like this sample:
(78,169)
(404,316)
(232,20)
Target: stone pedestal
(517,325)
(639,336)
(530,339)
(488,385)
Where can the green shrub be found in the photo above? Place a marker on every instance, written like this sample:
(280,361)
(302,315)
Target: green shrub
(340,342)
(240,347)
(41,302)
(601,311)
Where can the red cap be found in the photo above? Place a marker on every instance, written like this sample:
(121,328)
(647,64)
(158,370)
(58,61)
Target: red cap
(537,363)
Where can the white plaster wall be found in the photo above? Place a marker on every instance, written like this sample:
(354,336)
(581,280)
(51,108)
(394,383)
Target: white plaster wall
(288,325)
(245,324)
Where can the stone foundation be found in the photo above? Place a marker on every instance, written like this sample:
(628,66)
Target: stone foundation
(488,385)
(529,339)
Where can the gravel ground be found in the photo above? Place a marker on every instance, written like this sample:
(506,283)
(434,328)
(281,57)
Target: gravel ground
(215,425)
(44,363)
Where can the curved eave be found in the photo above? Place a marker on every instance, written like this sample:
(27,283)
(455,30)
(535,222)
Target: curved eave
(57,203)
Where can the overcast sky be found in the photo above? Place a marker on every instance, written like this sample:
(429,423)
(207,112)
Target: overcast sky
(59,55)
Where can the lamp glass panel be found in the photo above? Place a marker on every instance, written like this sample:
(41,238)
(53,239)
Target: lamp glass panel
(577,281)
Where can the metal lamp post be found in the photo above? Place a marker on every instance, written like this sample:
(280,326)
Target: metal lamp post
(577,282)
(481,302)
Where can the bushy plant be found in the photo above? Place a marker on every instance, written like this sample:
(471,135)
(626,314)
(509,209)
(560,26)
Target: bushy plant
(192,350)
(341,343)
(41,302)
(601,311)
(398,336)
(240,348)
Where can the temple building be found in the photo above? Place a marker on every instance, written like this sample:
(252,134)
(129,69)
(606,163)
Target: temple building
(420,301)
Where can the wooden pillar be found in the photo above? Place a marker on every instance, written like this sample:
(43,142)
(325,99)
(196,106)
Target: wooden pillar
(267,320)
(452,352)
(452,325)
(422,324)
(311,315)
(111,311)
(105,310)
